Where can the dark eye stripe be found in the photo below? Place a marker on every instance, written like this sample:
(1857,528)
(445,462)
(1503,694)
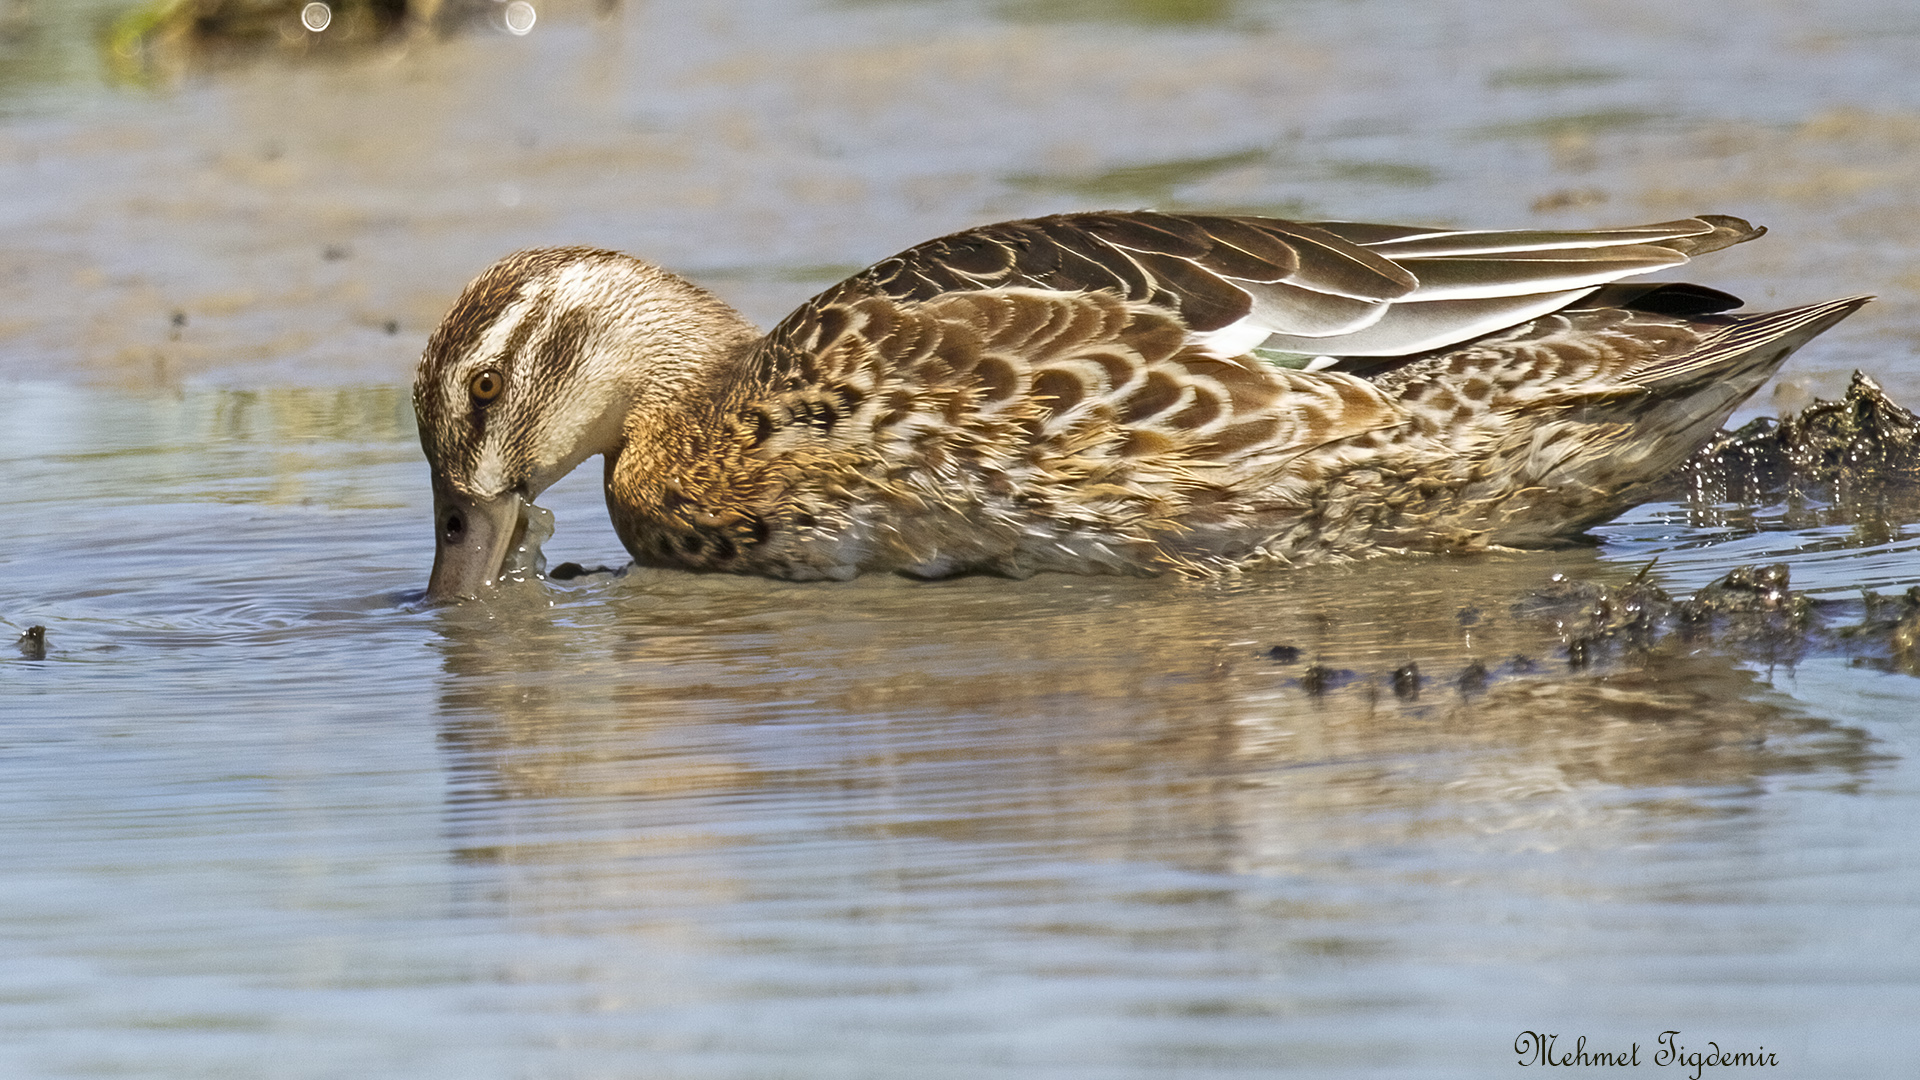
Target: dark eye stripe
(560,348)
(523,331)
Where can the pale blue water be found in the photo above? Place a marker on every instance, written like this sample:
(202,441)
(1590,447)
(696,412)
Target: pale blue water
(265,815)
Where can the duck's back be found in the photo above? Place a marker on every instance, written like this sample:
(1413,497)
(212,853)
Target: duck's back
(1141,392)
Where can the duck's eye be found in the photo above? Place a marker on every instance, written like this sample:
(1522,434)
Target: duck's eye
(486,385)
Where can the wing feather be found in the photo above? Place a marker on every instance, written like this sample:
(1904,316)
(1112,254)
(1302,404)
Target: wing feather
(1322,288)
(1552,270)
(1496,242)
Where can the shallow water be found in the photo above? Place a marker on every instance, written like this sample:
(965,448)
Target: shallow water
(267,815)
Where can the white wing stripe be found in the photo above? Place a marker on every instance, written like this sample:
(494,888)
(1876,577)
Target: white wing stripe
(1413,328)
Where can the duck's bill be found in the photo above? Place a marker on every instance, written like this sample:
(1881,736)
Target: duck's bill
(472,539)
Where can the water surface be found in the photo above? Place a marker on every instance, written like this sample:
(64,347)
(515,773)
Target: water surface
(267,815)
(259,801)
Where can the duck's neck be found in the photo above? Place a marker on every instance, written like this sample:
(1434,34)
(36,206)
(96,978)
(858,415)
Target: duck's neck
(651,353)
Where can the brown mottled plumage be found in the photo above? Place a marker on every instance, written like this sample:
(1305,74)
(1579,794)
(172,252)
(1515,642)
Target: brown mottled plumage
(1112,392)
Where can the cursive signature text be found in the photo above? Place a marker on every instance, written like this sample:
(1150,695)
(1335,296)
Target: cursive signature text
(1545,1048)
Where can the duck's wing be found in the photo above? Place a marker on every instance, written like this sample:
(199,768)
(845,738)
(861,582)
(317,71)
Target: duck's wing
(1135,331)
(1321,288)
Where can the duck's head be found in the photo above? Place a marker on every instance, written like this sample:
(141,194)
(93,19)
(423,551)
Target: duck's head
(547,358)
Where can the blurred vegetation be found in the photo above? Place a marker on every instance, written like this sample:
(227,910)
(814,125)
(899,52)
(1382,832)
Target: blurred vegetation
(1551,77)
(156,35)
(154,38)
(259,21)
(1153,181)
(1136,12)
(45,44)
(1133,11)
(1180,182)
(51,47)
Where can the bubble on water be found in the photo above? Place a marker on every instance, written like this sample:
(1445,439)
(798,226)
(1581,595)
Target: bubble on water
(520,17)
(316,16)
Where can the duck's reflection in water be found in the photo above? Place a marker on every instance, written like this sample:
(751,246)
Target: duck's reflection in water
(705,740)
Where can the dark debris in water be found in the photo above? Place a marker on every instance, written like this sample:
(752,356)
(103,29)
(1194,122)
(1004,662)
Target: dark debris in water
(1319,678)
(1608,632)
(1472,679)
(1405,681)
(33,643)
(567,571)
(1752,611)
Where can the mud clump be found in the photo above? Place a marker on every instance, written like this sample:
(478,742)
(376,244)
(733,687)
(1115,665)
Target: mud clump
(1856,460)
(1753,611)
(33,643)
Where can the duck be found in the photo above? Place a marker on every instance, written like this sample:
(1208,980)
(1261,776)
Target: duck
(1119,392)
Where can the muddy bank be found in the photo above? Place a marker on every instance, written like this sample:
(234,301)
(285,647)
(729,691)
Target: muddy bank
(292,211)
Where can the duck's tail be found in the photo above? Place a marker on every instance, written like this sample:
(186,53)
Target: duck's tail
(1606,452)
(1749,350)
